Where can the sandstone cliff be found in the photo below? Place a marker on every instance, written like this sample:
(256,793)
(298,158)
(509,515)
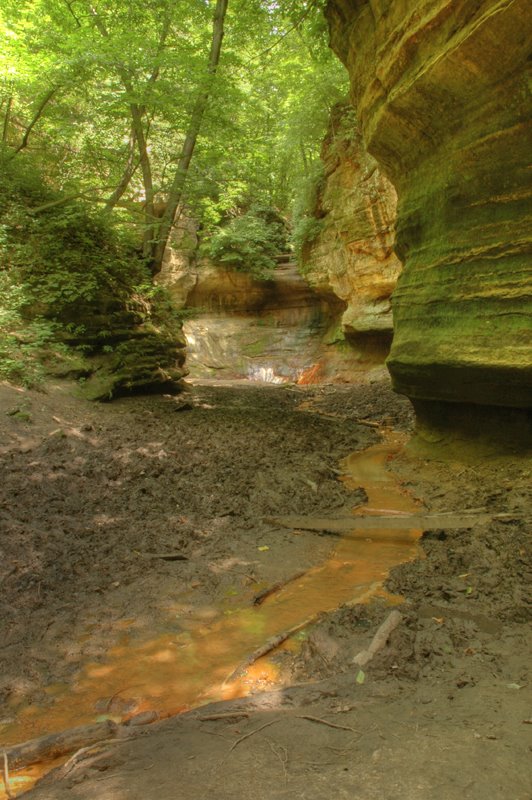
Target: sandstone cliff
(439,88)
(352,255)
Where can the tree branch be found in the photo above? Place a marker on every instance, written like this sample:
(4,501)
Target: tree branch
(129,170)
(7,118)
(36,117)
(67,199)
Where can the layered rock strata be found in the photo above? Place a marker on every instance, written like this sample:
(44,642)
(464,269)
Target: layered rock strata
(127,349)
(352,255)
(238,327)
(440,91)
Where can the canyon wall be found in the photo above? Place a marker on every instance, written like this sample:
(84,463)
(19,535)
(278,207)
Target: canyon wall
(351,255)
(440,92)
(275,331)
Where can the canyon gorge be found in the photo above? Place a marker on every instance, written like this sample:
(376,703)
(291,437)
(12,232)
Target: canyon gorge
(291,558)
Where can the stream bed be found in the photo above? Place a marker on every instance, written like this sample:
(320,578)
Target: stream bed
(189,659)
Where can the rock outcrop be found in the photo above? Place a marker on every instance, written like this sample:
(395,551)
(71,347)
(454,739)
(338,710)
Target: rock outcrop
(240,327)
(274,331)
(352,254)
(440,92)
(130,346)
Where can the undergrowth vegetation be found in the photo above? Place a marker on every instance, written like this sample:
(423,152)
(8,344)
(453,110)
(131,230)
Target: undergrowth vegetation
(60,264)
(250,242)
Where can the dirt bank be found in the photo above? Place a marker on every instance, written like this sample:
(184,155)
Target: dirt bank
(93,494)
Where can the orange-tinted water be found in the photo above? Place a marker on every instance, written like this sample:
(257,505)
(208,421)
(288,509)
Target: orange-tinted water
(177,669)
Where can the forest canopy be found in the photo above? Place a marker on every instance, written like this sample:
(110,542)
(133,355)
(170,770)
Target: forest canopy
(117,115)
(100,96)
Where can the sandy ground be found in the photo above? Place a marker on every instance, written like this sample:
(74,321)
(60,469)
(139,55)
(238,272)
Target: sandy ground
(91,493)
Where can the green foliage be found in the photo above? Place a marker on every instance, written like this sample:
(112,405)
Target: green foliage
(70,75)
(58,262)
(21,341)
(306,224)
(306,230)
(59,256)
(250,242)
(275,85)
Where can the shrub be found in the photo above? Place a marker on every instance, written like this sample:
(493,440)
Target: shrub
(250,242)
(58,262)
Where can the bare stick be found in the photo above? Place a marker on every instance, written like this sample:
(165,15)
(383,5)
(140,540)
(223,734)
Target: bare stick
(282,754)
(360,523)
(59,744)
(227,715)
(5,772)
(379,640)
(261,596)
(252,733)
(325,722)
(268,646)
(38,113)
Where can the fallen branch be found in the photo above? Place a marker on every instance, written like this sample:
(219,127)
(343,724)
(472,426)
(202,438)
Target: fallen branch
(326,722)
(227,715)
(252,733)
(259,598)
(5,774)
(379,640)
(268,646)
(54,745)
(339,526)
(165,556)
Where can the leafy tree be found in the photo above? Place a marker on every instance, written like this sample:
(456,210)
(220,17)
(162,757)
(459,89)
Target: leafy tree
(105,100)
(250,242)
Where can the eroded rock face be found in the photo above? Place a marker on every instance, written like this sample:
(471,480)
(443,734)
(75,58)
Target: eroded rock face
(239,327)
(440,93)
(127,350)
(352,256)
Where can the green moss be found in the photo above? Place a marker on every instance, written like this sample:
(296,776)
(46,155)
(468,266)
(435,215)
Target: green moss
(255,348)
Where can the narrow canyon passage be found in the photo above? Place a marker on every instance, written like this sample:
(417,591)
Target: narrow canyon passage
(265,400)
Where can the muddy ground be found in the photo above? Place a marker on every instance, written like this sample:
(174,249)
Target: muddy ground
(91,493)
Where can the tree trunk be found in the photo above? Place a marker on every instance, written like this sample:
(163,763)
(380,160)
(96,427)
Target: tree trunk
(129,171)
(136,112)
(158,246)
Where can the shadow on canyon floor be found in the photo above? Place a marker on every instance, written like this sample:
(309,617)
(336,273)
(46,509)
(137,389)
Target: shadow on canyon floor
(92,493)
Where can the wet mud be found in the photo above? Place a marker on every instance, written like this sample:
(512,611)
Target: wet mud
(95,499)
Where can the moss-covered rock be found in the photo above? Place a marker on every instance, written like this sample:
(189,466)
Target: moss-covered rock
(143,362)
(76,300)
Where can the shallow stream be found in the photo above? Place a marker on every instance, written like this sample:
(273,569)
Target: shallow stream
(188,660)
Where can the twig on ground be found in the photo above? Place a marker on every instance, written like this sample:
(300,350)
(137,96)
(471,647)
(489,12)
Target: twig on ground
(281,752)
(326,722)
(259,598)
(252,733)
(5,773)
(379,640)
(268,646)
(165,556)
(227,715)
(60,744)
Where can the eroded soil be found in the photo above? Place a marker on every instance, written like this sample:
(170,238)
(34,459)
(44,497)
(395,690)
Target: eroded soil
(91,495)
